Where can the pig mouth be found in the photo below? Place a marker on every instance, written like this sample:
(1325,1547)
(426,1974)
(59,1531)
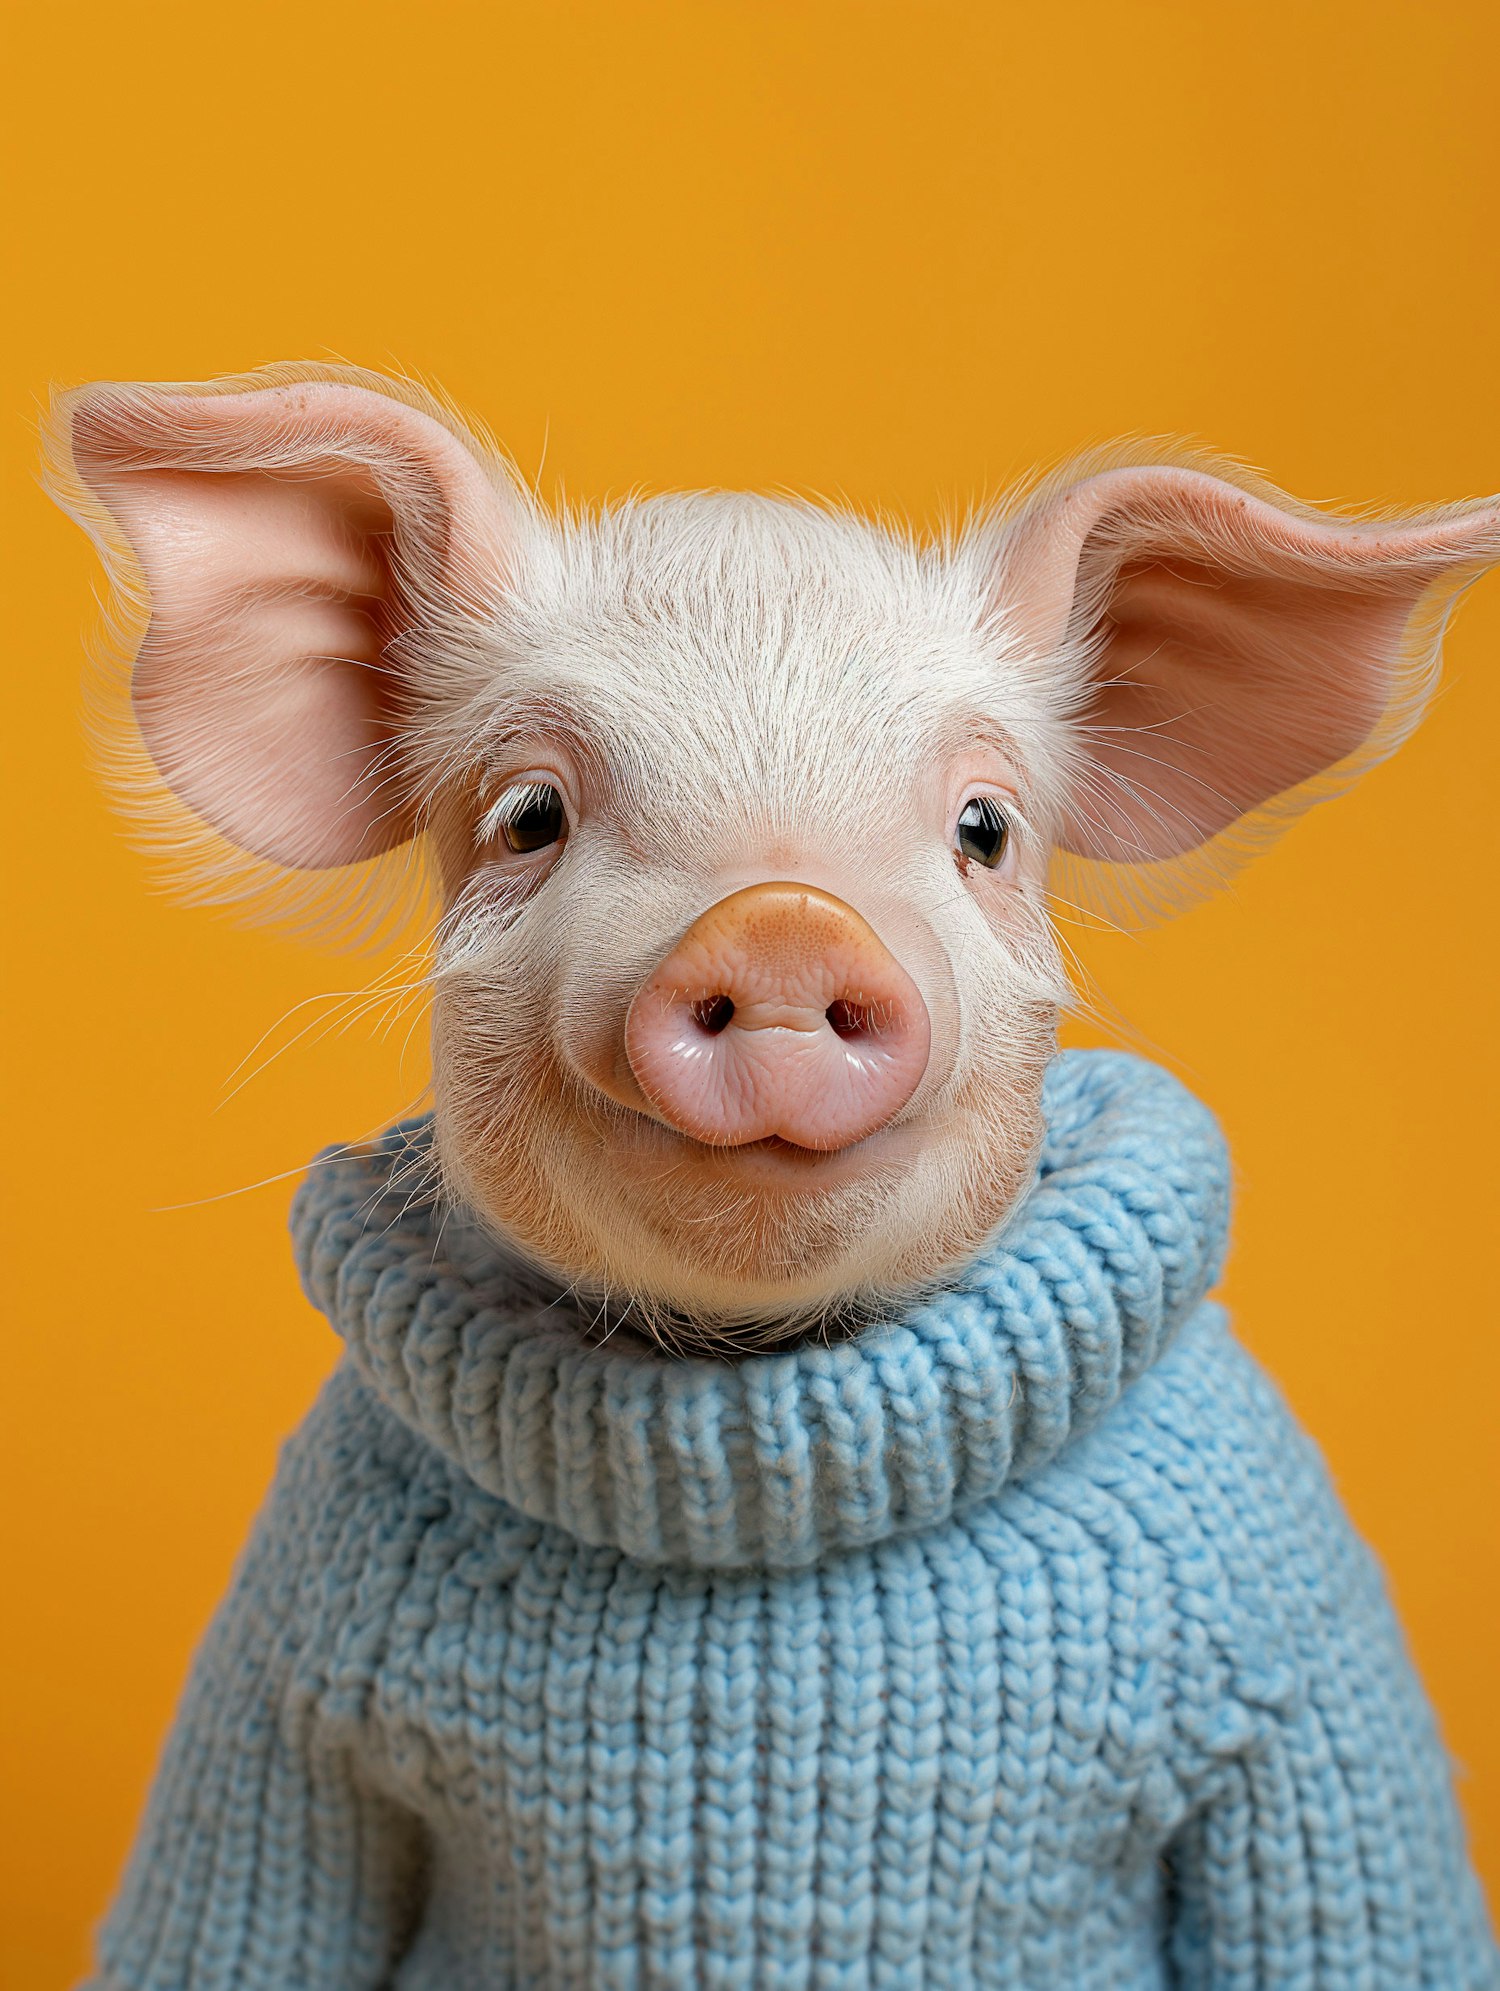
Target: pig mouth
(771,1144)
(773,1162)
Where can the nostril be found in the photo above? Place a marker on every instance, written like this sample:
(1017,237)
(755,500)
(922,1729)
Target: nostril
(854,1017)
(712,1013)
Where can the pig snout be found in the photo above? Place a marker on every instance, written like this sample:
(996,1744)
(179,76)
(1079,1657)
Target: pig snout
(778,1013)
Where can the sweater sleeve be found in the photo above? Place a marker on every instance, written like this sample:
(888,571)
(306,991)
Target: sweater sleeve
(1307,1871)
(1325,1850)
(266,1858)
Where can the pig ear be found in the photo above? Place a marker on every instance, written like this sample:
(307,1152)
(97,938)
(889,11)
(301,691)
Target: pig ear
(1232,653)
(299,544)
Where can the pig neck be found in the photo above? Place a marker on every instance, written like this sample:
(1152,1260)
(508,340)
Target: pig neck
(778,1459)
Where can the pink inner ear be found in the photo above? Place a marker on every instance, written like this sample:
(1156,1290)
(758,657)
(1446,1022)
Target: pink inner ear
(1217,691)
(285,537)
(259,690)
(1239,649)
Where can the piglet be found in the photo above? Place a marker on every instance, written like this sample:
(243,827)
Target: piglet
(788,1513)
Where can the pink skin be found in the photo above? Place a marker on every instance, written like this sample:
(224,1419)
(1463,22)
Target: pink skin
(336,572)
(778,1015)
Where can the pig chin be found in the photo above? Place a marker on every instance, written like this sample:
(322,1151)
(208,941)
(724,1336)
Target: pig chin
(695,1235)
(712,1246)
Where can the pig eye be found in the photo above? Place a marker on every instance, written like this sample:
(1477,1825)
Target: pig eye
(528,817)
(983,833)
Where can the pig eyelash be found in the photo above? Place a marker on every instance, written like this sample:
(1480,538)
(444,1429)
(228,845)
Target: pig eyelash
(1014,814)
(510,805)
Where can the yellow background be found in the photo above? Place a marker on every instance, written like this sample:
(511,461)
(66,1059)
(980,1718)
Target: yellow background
(897,251)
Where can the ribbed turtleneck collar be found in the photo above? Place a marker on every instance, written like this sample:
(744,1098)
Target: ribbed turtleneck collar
(775,1459)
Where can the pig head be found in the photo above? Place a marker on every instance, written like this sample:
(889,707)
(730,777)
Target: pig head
(741,811)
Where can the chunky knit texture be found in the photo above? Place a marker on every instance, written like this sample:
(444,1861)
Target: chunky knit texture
(1018,1643)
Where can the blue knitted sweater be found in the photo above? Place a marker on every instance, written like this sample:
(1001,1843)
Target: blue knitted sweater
(1019,1642)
